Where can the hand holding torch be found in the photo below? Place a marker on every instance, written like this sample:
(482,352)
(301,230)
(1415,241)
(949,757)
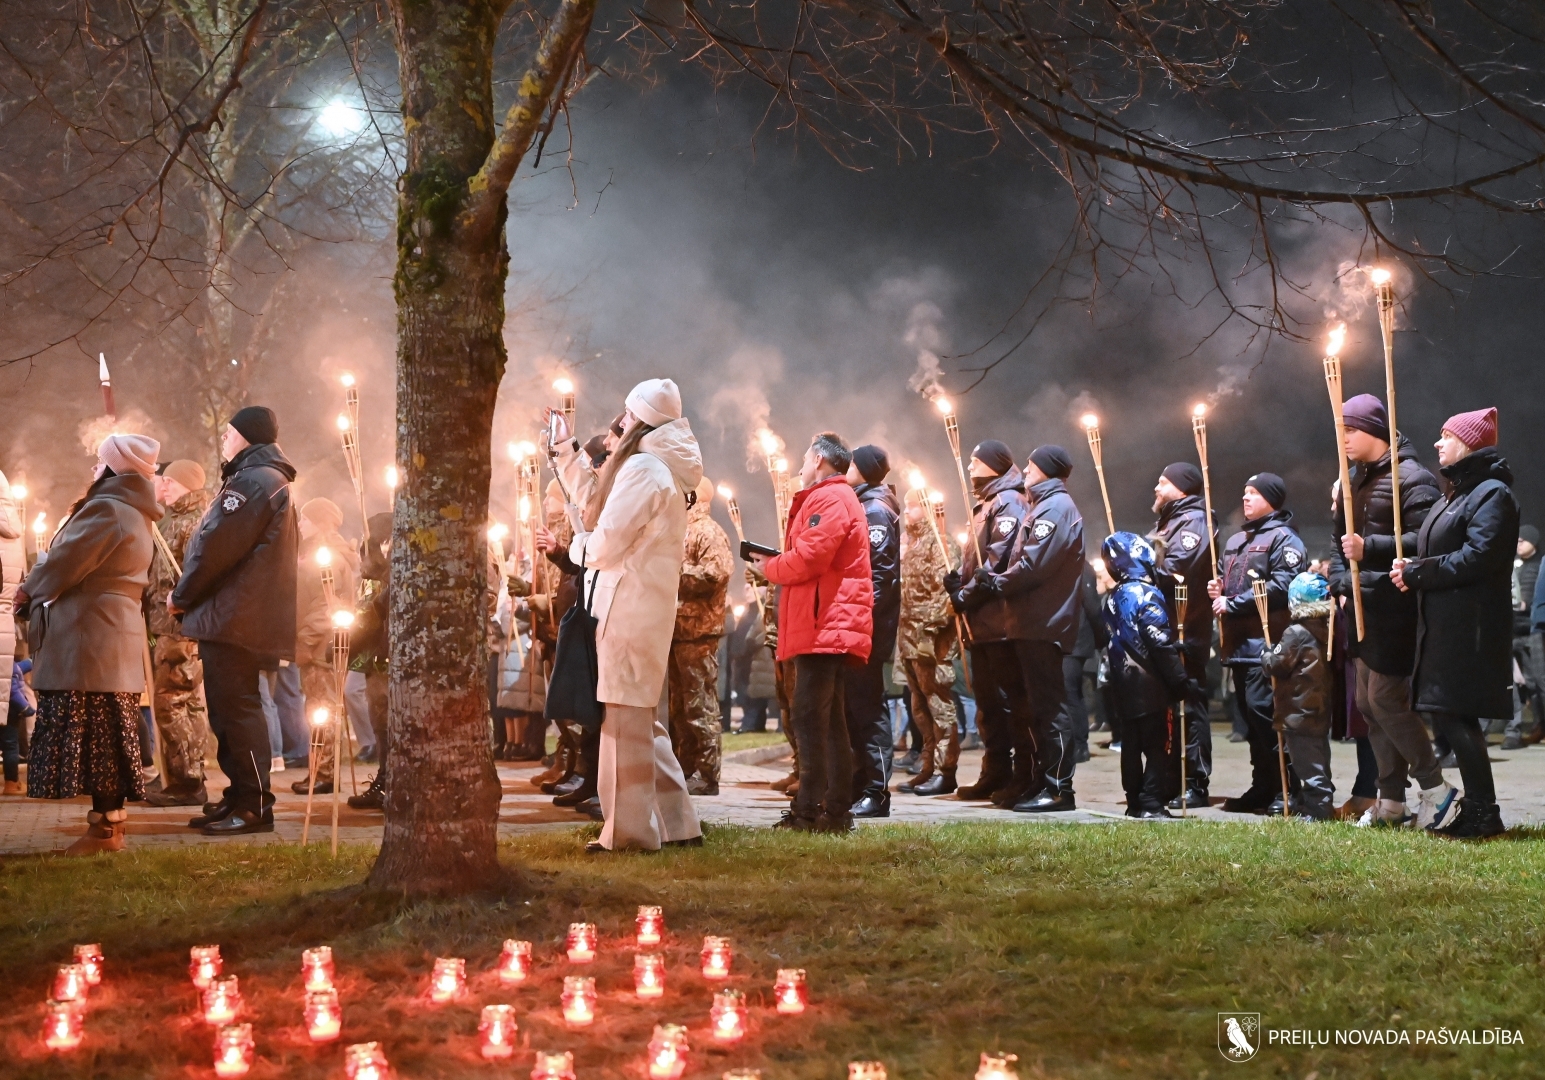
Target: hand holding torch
(565,386)
(1199,433)
(1384,287)
(728,495)
(1092,430)
(952,432)
(1258,589)
(1333,386)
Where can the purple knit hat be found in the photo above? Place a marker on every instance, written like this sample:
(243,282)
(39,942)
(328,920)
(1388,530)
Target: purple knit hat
(1474,429)
(1366,413)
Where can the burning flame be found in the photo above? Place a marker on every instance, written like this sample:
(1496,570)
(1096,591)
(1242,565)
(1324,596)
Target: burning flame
(563,385)
(497,532)
(1336,339)
(725,493)
(771,444)
(1090,421)
(320,716)
(343,422)
(915,480)
(324,556)
(1199,412)
(514,450)
(1379,276)
(40,524)
(343,619)
(942,403)
(393,478)
(19,492)
(524,511)
(346,379)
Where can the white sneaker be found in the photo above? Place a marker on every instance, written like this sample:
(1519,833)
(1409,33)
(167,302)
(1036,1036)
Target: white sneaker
(1437,807)
(1386,813)
(277,764)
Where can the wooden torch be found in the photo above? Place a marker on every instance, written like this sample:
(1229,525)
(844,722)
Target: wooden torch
(1333,386)
(1091,424)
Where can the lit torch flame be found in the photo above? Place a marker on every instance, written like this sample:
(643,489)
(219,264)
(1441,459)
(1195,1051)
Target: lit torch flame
(343,422)
(1199,412)
(497,532)
(392,478)
(915,480)
(943,405)
(1336,339)
(1090,421)
(346,379)
(563,385)
(1379,276)
(725,493)
(343,619)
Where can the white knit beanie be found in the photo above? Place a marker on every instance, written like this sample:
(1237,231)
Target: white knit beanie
(655,402)
(129,454)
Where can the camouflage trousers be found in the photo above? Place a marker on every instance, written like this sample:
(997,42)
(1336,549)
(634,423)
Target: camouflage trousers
(694,707)
(182,722)
(933,709)
(320,689)
(784,670)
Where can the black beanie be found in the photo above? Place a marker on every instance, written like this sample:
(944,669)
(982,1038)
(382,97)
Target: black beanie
(1272,488)
(1185,476)
(257,424)
(874,465)
(1052,460)
(994,455)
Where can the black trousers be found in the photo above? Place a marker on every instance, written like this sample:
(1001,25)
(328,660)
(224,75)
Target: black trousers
(1052,739)
(1464,737)
(753,714)
(231,676)
(1073,702)
(1002,714)
(821,732)
(1198,720)
(1252,689)
(869,726)
(1150,759)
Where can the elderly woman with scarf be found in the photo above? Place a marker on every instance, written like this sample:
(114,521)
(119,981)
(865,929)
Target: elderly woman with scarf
(630,542)
(88,640)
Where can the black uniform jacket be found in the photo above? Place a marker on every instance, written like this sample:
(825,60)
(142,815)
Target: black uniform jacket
(1180,537)
(883,513)
(1044,578)
(239,574)
(997,521)
(1463,573)
(1266,549)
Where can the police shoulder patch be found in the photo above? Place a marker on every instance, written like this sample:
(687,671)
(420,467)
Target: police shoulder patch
(1003,525)
(232,501)
(876,535)
(1290,556)
(1189,541)
(1043,528)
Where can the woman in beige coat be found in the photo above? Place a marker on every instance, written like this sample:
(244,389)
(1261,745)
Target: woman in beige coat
(88,643)
(630,541)
(13,567)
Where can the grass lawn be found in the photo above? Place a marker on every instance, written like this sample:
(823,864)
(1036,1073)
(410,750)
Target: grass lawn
(1090,951)
(753,740)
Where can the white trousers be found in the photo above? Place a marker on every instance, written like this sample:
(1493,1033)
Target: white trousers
(643,793)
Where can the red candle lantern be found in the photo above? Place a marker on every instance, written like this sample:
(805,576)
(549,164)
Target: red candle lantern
(716,957)
(551,1065)
(515,961)
(449,979)
(997,1067)
(649,975)
(741,1074)
(222,1000)
(668,1052)
(64,1025)
(323,1015)
(728,1016)
(234,1050)
(866,1070)
(90,958)
(790,990)
(498,1030)
(578,1001)
(204,964)
(581,942)
(651,925)
(365,1061)
(70,983)
(317,965)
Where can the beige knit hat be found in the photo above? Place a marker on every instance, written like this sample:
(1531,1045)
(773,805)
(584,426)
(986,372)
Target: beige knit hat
(129,454)
(190,474)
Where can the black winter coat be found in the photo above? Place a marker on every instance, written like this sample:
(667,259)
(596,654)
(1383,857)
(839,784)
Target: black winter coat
(1389,615)
(1180,537)
(997,520)
(238,583)
(1270,548)
(1092,635)
(1299,666)
(1046,571)
(1463,574)
(883,513)
(1527,574)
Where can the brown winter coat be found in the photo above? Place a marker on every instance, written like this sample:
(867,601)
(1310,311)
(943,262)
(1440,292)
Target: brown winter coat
(313,612)
(181,519)
(927,629)
(92,636)
(705,579)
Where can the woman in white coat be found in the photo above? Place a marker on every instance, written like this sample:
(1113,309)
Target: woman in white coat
(630,540)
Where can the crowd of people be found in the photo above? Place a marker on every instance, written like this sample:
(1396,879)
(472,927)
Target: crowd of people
(616,628)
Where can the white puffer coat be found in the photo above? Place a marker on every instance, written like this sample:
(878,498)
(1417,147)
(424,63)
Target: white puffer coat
(633,562)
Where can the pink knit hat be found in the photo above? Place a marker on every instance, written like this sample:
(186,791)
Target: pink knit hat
(1474,429)
(129,454)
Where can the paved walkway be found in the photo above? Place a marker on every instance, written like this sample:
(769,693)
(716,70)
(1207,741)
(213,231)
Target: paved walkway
(34,825)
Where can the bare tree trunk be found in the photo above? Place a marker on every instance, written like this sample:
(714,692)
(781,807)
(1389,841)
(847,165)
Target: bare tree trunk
(442,796)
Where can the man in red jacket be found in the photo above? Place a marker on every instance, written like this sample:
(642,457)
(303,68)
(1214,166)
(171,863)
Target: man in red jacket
(825,621)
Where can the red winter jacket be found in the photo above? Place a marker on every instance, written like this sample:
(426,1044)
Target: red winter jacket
(827,601)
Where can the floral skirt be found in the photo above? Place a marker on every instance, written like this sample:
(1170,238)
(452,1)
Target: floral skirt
(85,742)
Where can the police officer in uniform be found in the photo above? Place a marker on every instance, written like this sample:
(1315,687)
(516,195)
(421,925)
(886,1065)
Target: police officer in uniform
(868,719)
(1181,539)
(1047,571)
(994,623)
(1266,549)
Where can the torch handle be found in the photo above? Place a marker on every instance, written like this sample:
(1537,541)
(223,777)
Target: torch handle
(960,623)
(1263,609)
(1387,331)
(1110,521)
(165,550)
(1346,506)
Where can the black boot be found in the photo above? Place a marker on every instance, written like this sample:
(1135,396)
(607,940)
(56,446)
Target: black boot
(983,788)
(1047,802)
(580,792)
(1196,799)
(215,811)
(1253,801)
(321,787)
(872,806)
(172,798)
(1475,821)
(240,822)
(567,786)
(373,797)
(943,783)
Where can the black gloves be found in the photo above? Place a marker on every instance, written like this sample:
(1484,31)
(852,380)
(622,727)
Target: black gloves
(952,582)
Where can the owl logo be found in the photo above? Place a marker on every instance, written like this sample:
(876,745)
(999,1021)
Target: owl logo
(1239,1035)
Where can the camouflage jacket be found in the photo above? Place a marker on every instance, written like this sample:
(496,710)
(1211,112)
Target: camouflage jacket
(927,628)
(179,524)
(705,579)
(313,607)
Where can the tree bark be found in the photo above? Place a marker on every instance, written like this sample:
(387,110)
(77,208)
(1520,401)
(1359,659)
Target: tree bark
(442,794)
